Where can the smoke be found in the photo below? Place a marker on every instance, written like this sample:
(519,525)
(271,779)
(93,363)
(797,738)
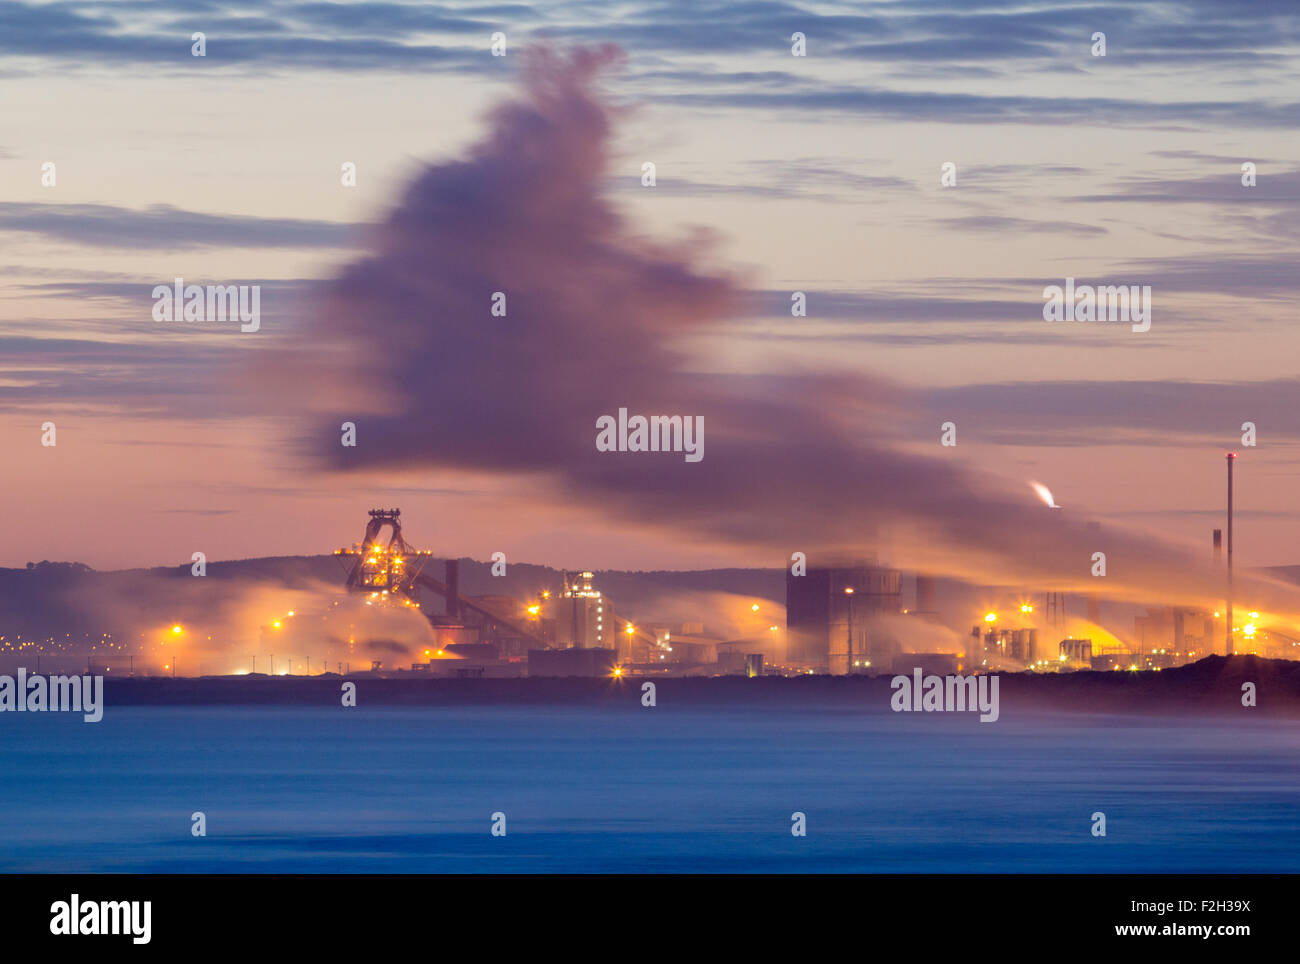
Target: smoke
(912,635)
(724,615)
(597,319)
(234,625)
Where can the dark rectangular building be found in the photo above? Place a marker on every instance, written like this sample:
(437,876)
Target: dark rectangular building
(572,661)
(824,604)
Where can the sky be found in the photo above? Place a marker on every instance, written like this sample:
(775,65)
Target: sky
(774,173)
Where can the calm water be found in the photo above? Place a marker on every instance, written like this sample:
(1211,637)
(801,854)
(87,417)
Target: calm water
(632,789)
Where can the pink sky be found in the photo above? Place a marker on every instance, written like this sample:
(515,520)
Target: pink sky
(1067,166)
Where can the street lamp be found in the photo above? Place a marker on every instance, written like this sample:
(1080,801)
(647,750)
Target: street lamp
(848,650)
(176,632)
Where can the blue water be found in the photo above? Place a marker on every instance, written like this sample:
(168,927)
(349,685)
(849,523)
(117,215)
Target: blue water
(599,789)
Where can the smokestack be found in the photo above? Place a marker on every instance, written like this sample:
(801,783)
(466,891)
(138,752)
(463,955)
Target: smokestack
(1218,546)
(924,593)
(1231,457)
(453,588)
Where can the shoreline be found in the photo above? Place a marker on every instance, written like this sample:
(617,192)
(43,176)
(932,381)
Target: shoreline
(1213,685)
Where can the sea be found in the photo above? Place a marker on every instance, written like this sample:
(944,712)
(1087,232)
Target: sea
(632,789)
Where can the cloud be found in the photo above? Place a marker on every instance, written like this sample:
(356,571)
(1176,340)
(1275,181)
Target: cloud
(1272,188)
(1244,276)
(152,374)
(1203,158)
(1084,412)
(937,46)
(819,179)
(972,108)
(998,224)
(321,36)
(166,228)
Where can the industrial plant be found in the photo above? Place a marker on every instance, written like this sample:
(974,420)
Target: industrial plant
(849,619)
(391,609)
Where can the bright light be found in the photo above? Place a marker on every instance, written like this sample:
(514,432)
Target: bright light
(630,629)
(848,590)
(1254,615)
(534,610)
(1045,494)
(618,670)
(176,630)
(292,613)
(1249,629)
(754,608)
(276,623)
(990,617)
(1026,608)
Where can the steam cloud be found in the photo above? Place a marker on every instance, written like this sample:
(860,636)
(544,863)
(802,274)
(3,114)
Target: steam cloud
(596,320)
(225,621)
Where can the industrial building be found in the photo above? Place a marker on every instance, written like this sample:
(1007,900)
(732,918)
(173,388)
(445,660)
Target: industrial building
(830,615)
(584,617)
(1185,633)
(572,661)
(1005,643)
(930,664)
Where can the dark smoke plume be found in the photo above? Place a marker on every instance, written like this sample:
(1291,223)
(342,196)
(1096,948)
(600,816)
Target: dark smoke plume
(404,344)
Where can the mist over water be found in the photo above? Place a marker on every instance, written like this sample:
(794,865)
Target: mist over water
(627,789)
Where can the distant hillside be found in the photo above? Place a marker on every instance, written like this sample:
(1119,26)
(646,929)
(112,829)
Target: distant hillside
(71,601)
(58,599)
(1212,686)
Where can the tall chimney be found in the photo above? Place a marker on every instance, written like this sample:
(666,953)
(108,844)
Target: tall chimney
(453,588)
(924,593)
(1218,546)
(1231,457)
